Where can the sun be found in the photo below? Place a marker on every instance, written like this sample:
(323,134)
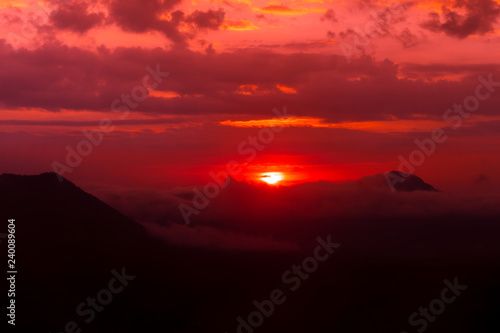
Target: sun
(272,178)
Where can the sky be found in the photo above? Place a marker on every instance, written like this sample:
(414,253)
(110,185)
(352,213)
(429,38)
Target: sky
(165,94)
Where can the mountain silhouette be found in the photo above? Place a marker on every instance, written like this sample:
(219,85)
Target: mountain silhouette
(57,216)
(69,242)
(400,181)
(410,183)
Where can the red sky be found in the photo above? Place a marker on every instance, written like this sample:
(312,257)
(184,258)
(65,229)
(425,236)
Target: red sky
(230,63)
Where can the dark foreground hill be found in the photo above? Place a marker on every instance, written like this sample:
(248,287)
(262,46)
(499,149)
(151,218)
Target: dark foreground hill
(70,246)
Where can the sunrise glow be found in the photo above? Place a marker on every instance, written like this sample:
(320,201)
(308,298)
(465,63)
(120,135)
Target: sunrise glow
(272,178)
(310,88)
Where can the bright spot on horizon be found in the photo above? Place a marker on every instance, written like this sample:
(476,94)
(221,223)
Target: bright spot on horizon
(272,178)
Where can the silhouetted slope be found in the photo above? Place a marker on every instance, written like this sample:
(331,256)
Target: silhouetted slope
(68,241)
(75,222)
(386,268)
(401,181)
(411,183)
(45,192)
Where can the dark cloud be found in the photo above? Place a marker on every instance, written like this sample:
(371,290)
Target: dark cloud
(12,19)
(141,16)
(77,123)
(479,18)
(384,22)
(75,16)
(439,70)
(210,19)
(215,238)
(482,178)
(304,46)
(329,15)
(347,33)
(407,38)
(136,16)
(210,49)
(57,76)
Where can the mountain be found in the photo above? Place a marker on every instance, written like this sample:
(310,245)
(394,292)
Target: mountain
(400,181)
(52,216)
(67,243)
(409,183)
(71,246)
(30,196)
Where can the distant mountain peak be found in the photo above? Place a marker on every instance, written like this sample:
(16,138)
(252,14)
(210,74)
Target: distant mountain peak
(405,182)
(396,180)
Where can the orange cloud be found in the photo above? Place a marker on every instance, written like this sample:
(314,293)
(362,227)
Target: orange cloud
(392,126)
(319,10)
(247,89)
(312,1)
(163,94)
(5,4)
(251,90)
(233,3)
(281,122)
(283,10)
(286,90)
(239,25)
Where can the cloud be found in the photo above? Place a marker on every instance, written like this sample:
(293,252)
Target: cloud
(210,19)
(465,18)
(214,238)
(210,84)
(482,178)
(88,123)
(384,21)
(329,15)
(259,218)
(407,38)
(305,46)
(286,90)
(144,15)
(239,25)
(138,17)
(157,211)
(74,16)
(283,10)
